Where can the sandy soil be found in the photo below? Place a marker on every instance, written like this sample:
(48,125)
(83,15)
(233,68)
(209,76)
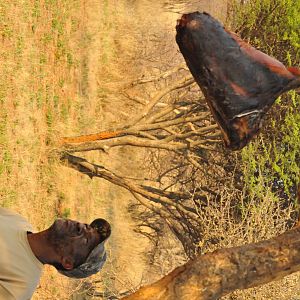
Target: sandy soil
(137,32)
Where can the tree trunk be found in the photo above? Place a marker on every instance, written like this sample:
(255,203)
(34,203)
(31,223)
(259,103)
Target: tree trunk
(216,274)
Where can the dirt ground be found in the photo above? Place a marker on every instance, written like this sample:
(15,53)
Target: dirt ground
(140,42)
(65,68)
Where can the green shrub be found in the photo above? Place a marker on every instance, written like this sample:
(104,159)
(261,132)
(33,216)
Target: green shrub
(270,25)
(273,158)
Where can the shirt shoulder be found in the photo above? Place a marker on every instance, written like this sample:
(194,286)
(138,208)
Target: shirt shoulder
(10,218)
(5,294)
(20,269)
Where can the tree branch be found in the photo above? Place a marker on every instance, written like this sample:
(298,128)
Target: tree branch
(160,76)
(177,85)
(155,195)
(138,142)
(108,136)
(221,272)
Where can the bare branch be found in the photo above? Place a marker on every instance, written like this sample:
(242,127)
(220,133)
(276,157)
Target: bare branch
(155,195)
(165,111)
(91,137)
(137,99)
(221,272)
(175,121)
(177,85)
(136,130)
(138,142)
(160,76)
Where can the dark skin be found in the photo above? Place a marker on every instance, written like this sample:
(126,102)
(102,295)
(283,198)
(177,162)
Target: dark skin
(66,242)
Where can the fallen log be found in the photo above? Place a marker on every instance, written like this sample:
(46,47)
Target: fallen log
(216,274)
(239,82)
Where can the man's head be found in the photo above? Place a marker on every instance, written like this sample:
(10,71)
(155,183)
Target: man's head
(79,247)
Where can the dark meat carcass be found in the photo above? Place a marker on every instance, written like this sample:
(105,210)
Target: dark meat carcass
(239,82)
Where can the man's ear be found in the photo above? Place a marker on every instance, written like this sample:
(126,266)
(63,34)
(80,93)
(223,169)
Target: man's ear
(67,262)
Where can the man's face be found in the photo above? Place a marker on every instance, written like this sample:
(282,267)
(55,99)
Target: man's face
(73,239)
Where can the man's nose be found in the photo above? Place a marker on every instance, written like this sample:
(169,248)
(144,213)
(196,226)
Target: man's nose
(80,227)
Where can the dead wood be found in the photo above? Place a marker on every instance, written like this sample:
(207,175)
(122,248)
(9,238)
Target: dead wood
(163,75)
(155,195)
(180,129)
(148,135)
(221,272)
(182,83)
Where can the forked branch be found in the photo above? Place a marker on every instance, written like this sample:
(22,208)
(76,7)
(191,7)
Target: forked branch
(157,196)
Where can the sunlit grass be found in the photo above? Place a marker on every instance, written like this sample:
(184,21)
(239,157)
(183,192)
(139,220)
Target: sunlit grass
(40,55)
(273,159)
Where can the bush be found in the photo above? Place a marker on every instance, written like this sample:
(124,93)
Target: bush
(273,159)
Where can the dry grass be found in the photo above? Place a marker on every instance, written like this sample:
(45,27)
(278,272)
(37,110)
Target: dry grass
(62,62)
(44,65)
(59,77)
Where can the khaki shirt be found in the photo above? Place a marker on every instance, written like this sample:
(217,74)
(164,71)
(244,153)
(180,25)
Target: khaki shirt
(20,270)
